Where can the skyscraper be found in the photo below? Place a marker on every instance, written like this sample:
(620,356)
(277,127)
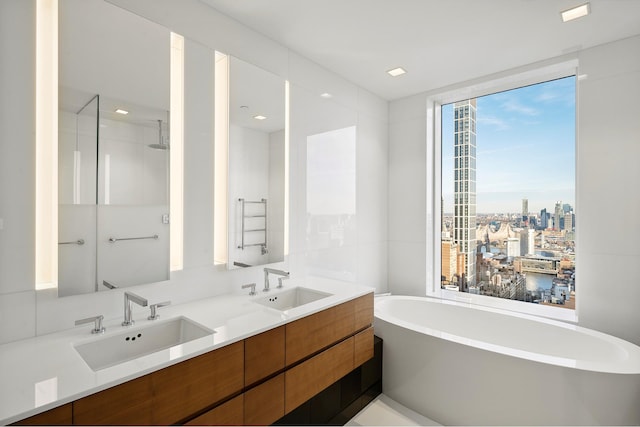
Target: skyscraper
(464,222)
(544,220)
(525,210)
(557,215)
(568,221)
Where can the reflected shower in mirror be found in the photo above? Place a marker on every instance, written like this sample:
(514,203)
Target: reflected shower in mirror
(113,156)
(256,183)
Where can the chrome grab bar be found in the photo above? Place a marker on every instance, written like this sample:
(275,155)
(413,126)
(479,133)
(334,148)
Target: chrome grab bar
(76,242)
(113,239)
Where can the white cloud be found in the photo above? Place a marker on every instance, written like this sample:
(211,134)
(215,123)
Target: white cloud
(516,107)
(498,123)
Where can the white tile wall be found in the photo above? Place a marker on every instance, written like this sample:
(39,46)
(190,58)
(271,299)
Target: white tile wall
(17,316)
(350,106)
(17,150)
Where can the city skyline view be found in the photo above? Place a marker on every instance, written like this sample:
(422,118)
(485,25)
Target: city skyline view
(517,157)
(508,221)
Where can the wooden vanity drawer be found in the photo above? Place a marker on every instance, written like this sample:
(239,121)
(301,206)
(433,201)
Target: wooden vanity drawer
(188,387)
(169,395)
(127,403)
(263,355)
(228,414)
(264,404)
(310,334)
(364,311)
(314,375)
(60,416)
(313,333)
(363,347)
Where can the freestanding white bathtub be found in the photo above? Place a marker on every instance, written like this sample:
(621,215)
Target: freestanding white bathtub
(460,364)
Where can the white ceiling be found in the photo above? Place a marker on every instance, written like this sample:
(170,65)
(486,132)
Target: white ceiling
(439,42)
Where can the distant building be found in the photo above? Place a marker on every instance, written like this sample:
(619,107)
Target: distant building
(544,219)
(525,210)
(464,222)
(558,213)
(531,236)
(449,259)
(568,221)
(513,247)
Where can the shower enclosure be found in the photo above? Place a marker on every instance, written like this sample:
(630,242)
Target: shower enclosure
(113,220)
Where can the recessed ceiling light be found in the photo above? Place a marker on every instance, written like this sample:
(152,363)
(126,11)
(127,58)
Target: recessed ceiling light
(397,72)
(326,95)
(121,111)
(259,117)
(575,12)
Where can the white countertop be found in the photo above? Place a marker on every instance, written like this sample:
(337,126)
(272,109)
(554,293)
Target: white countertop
(44,372)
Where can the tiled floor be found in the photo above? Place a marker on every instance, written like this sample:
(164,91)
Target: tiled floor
(383,411)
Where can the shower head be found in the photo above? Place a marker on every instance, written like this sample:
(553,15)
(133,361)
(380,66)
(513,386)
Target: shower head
(161,145)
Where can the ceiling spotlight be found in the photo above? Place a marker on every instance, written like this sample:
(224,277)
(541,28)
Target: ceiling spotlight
(397,72)
(121,111)
(575,12)
(259,117)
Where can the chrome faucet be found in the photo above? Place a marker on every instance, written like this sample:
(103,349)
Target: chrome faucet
(130,297)
(273,271)
(109,285)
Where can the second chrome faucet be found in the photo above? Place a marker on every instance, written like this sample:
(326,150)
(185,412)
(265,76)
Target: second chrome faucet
(283,274)
(130,297)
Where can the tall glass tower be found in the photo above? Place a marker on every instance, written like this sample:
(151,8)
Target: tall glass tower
(464,221)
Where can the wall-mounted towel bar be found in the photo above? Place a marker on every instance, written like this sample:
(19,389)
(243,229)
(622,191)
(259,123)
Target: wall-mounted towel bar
(113,239)
(75,242)
(244,216)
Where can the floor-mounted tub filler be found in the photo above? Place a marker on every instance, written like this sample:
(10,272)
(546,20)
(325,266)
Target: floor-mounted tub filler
(460,364)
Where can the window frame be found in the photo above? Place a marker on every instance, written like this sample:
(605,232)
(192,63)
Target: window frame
(526,76)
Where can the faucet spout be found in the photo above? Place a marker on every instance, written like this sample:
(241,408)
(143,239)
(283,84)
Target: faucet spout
(275,271)
(130,297)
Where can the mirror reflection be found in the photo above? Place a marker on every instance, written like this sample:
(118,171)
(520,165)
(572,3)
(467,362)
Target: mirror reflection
(256,165)
(113,154)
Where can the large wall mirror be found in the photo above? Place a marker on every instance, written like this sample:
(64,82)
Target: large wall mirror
(256,165)
(113,148)
(113,223)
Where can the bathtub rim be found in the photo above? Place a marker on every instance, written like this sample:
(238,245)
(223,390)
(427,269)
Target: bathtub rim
(631,365)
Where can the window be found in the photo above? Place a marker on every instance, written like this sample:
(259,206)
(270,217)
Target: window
(508,195)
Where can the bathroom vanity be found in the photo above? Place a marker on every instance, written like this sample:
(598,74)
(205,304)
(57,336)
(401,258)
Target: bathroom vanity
(244,373)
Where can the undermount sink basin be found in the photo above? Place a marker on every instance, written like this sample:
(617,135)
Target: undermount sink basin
(139,341)
(291,298)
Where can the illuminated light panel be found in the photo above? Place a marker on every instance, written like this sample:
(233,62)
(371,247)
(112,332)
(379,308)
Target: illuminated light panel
(46,136)
(121,111)
(326,95)
(287,94)
(176,156)
(221,160)
(397,72)
(576,12)
(259,117)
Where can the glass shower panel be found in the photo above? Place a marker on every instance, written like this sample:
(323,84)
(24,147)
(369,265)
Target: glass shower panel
(77,164)
(133,195)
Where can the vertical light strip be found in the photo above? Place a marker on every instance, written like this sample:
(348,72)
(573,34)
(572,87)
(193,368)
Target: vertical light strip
(176,160)
(46,226)
(77,165)
(221,160)
(107,179)
(286,167)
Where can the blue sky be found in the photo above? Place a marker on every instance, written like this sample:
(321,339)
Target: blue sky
(525,148)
